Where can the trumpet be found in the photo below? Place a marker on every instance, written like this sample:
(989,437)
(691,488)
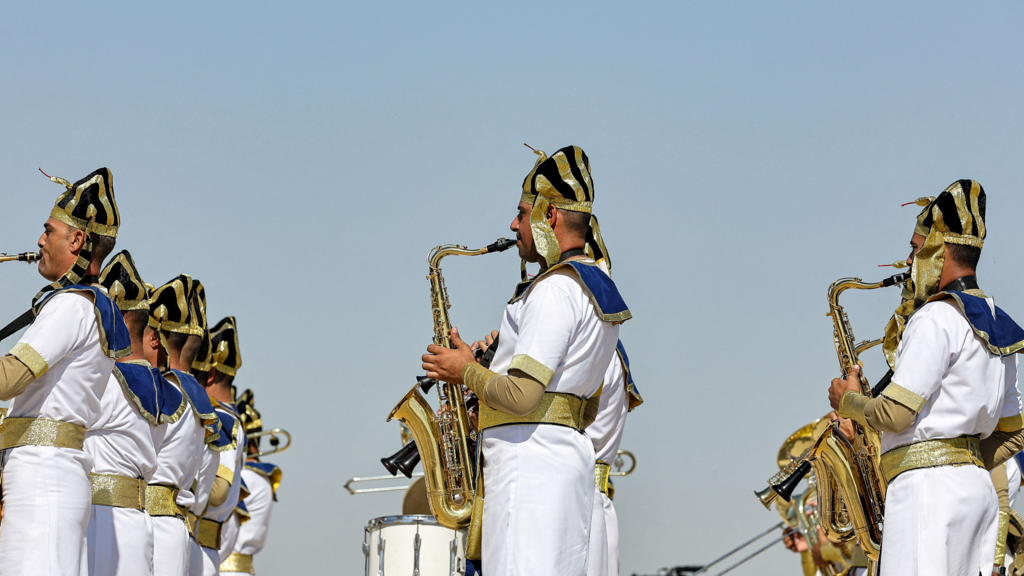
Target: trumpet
(619,464)
(274,441)
(28,257)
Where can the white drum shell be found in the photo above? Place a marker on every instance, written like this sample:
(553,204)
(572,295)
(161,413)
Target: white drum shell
(413,545)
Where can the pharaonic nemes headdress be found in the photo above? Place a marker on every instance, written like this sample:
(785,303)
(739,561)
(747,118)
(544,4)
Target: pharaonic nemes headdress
(956,216)
(562,180)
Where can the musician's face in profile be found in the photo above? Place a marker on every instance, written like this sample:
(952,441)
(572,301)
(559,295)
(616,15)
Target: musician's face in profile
(58,248)
(524,234)
(916,241)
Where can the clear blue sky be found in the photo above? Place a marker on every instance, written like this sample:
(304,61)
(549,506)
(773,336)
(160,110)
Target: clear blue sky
(301,159)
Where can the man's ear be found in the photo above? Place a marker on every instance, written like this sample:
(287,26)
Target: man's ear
(77,240)
(553,216)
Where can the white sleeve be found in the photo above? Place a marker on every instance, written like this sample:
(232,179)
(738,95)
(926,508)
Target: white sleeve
(1011,401)
(924,358)
(60,327)
(547,322)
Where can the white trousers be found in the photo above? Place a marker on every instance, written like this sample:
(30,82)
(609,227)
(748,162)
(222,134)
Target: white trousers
(171,546)
(120,542)
(228,536)
(205,562)
(604,538)
(539,499)
(46,504)
(940,521)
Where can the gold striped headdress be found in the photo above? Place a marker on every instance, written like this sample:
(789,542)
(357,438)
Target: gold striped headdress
(197,303)
(169,306)
(124,284)
(248,413)
(956,216)
(562,180)
(227,356)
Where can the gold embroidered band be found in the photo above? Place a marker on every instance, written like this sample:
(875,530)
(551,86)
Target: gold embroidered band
(118,491)
(601,470)
(226,473)
(962,451)
(534,368)
(238,563)
(1011,423)
(190,521)
(852,405)
(161,501)
(29,357)
(555,408)
(208,533)
(16,432)
(900,394)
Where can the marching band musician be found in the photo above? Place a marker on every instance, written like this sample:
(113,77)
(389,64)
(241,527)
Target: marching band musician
(121,440)
(558,335)
(230,447)
(180,455)
(262,480)
(954,382)
(56,375)
(618,397)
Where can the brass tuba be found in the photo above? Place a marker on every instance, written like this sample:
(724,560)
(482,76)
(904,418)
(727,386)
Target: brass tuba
(443,440)
(851,491)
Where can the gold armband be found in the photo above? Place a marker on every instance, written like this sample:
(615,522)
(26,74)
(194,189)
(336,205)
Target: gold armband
(1011,423)
(900,394)
(28,356)
(475,377)
(226,473)
(1004,529)
(852,406)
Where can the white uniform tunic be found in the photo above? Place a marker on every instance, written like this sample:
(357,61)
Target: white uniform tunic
(201,561)
(253,534)
(46,492)
(120,442)
(606,434)
(232,459)
(177,465)
(944,520)
(539,479)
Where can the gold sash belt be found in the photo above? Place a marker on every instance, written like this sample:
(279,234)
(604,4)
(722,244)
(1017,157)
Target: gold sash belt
(118,491)
(16,432)
(555,408)
(601,470)
(208,533)
(160,501)
(962,451)
(191,520)
(238,563)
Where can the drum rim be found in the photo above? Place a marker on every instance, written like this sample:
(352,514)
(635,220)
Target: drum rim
(403,520)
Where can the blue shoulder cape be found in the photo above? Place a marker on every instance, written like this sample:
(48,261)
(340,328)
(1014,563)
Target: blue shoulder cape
(200,402)
(156,398)
(1001,335)
(634,394)
(268,471)
(598,286)
(114,338)
(229,424)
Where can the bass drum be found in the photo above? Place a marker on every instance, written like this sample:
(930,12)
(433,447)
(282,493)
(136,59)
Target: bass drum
(413,545)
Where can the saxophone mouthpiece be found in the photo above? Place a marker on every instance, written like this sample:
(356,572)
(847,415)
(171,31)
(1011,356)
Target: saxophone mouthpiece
(500,245)
(896,280)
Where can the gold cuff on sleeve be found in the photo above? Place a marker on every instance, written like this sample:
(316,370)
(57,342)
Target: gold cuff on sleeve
(475,377)
(540,372)
(1004,529)
(900,394)
(1011,423)
(226,473)
(28,355)
(852,406)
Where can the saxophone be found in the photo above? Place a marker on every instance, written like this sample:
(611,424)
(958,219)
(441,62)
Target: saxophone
(851,492)
(443,439)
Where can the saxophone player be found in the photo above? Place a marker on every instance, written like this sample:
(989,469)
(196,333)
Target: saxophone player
(952,409)
(558,335)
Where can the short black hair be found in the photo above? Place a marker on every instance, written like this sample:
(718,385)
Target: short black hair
(102,246)
(966,256)
(576,222)
(175,340)
(136,320)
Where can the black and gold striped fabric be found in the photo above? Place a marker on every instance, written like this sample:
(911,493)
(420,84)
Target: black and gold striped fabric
(197,302)
(564,179)
(227,356)
(123,282)
(89,204)
(169,306)
(248,413)
(958,214)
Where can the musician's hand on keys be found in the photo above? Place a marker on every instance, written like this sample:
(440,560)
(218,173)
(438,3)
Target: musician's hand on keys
(445,363)
(840,387)
(794,541)
(482,345)
(845,425)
